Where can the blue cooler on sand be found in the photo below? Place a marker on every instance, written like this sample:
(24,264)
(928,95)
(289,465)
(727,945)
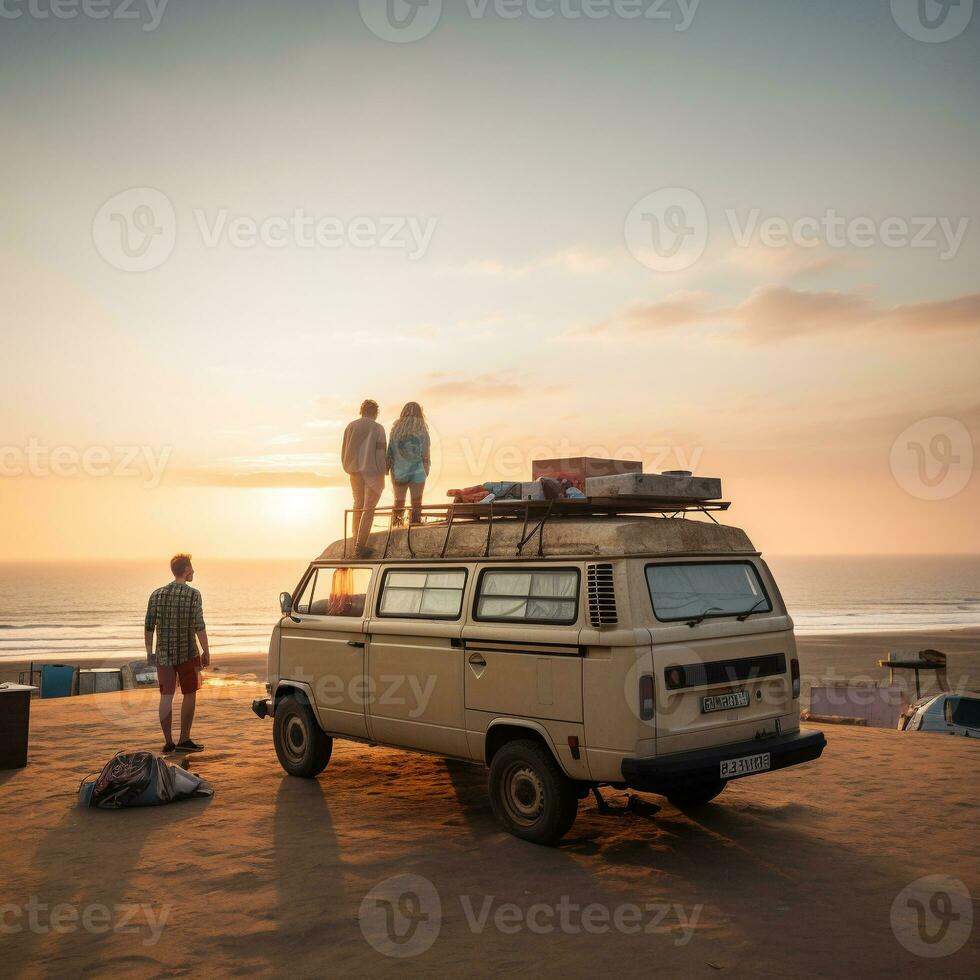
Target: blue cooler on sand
(57,681)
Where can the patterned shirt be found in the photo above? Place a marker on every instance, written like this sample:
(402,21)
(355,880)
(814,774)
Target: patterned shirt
(176,612)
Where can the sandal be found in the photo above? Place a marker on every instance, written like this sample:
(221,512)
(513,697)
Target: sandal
(189,745)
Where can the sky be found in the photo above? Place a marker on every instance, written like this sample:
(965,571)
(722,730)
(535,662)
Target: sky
(737,238)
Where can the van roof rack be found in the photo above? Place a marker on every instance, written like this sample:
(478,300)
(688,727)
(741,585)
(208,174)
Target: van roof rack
(535,514)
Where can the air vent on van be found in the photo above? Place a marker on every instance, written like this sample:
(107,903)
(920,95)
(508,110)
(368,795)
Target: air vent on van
(602,596)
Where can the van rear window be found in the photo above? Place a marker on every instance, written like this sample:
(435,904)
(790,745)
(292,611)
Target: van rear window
(692,590)
(533,596)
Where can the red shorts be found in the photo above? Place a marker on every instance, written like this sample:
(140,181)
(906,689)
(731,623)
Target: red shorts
(188,673)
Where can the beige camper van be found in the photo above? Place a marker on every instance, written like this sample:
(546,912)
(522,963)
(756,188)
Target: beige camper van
(565,646)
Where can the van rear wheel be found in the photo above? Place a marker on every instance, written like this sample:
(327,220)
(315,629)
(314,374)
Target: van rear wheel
(530,795)
(697,794)
(301,744)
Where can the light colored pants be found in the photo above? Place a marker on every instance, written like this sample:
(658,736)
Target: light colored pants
(401,489)
(367,492)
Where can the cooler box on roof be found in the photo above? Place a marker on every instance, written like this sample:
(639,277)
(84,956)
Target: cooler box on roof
(661,485)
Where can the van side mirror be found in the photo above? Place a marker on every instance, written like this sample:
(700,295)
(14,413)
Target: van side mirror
(285,603)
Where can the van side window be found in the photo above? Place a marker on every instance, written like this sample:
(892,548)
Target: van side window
(423,594)
(338,592)
(533,596)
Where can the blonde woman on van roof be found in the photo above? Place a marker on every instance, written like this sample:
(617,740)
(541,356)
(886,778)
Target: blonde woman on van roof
(409,461)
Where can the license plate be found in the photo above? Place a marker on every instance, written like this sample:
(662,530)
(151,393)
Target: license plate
(746,765)
(724,702)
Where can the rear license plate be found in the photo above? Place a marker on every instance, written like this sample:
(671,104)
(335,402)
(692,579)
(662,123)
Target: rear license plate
(724,702)
(746,765)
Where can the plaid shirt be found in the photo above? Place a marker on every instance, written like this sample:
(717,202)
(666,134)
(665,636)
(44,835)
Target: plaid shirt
(176,612)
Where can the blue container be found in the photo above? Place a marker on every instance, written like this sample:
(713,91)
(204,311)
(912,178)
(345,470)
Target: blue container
(57,681)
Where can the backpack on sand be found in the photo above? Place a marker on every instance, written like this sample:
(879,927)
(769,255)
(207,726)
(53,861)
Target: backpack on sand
(140,779)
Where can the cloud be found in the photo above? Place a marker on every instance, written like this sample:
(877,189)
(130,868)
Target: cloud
(777,313)
(576,259)
(261,481)
(788,262)
(678,310)
(962,313)
(298,470)
(444,387)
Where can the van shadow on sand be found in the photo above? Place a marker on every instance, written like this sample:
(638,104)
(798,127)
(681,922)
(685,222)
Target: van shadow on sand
(835,914)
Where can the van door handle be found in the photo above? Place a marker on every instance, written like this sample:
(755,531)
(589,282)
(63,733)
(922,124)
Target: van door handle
(477,660)
(356,643)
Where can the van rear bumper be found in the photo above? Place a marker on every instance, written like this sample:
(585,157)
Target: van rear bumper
(682,769)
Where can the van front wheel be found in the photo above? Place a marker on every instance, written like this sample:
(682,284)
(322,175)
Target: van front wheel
(698,794)
(301,744)
(531,797)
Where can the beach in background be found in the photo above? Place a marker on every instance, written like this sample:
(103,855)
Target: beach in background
(849,611)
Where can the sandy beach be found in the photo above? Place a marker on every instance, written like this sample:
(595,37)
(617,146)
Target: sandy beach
(823,658)
(790,874)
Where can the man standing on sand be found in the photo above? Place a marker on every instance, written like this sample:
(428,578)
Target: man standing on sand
(176,613)
(365,460)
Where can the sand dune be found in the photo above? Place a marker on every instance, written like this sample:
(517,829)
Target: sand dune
(790,874)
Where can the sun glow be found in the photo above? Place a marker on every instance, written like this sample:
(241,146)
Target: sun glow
(294,506)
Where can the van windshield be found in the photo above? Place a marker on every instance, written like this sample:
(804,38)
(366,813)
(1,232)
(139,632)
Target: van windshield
(692,590)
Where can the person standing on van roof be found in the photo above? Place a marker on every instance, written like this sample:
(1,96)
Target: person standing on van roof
(365,461)
(175,613)
(409,461)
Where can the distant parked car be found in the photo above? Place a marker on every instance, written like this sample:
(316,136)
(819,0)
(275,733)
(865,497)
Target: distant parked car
(953,714)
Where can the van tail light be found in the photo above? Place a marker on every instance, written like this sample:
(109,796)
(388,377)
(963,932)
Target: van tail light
(795,674)
(646,697)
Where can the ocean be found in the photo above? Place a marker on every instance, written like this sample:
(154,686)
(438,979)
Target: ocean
(90,609)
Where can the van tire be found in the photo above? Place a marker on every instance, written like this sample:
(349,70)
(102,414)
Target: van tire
(530,795)
(301,744)
(697,794)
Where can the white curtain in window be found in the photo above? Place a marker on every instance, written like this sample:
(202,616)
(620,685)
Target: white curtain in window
(401,602)
(506,583)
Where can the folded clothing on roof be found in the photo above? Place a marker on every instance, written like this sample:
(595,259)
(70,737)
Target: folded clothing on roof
(547,488)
